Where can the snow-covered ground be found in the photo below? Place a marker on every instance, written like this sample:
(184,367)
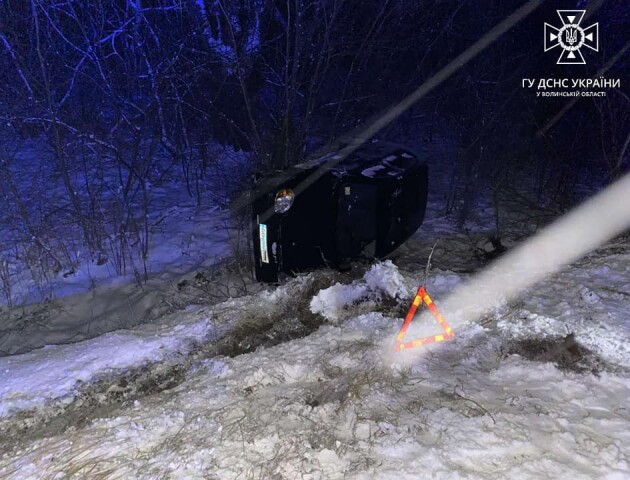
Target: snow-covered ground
(336,404)
(187,241)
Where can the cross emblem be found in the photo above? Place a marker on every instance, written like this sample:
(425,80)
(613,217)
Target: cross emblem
(571,37)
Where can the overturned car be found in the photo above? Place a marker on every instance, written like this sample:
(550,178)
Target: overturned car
(326,212)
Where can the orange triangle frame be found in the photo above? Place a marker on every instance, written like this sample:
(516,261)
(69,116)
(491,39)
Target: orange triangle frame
(422,297)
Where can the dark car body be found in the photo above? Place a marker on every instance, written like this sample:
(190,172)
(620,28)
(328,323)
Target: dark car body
(366,205)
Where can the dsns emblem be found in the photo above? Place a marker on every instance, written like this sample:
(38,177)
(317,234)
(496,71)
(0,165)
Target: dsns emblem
(571,37)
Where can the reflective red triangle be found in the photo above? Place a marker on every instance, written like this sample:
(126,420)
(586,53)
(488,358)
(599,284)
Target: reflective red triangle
(422,297)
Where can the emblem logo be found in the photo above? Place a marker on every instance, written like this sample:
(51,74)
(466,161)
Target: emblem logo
(571,37)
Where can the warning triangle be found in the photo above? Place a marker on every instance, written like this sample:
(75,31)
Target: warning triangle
(422,297)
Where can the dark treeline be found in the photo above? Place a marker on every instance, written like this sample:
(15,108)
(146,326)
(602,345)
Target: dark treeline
(126,81)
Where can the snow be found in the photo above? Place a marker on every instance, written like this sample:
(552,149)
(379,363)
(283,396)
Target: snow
(372,171)
(56,372)
(332,301)
(386,277)
(562,242)
(90,299)
(381,278)
(333,405)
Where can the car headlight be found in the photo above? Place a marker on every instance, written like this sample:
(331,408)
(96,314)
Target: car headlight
(284,200)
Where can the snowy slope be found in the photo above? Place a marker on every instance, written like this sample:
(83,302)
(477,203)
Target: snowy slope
(335,404)
(89,298)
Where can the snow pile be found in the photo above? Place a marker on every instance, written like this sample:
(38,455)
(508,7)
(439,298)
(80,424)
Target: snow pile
(332,301)
(527,324)
(386,278)
(381,279)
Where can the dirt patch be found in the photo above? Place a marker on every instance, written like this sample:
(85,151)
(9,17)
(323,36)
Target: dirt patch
(96,400)
(293,321)
(460,252)
(565,352)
